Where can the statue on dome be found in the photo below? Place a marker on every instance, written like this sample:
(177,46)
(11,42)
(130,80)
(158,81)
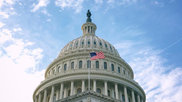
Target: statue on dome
(88,16)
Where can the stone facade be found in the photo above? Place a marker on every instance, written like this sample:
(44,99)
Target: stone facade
(110,79)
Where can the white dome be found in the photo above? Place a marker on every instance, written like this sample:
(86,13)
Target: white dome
(89,42)
(66,79)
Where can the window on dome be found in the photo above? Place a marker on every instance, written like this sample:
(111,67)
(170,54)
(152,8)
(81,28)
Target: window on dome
(59,68)
(124,71)
(100,44)
(80,64)
(94,44)
(54,71)
(97,64)
(79,90)
(70,45)
(112,67)
(88,43)
(105,65)
(88,64)
(88,29)
(82,43)
(111,48)
(91,29)
(65,67)
(119,70)
(72,65)
(76,44)
(98,90)
(106,46)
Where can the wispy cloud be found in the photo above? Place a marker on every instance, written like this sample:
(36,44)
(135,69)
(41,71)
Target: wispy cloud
(161,83)
(74,4)
(18,67)
(41,3)
(6,2)
(1,24)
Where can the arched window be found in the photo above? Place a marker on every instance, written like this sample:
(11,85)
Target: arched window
(76,44)
(88,43)
(65,67)
(100,44)
(82,43)
(95,43)
(97,64)
(112,67)
(59,69)
(88,64)
(72,65)
(79,90)
(80,64)
(119,70)
(111,48)
(124,71)
(70,45)
(98,90)
(106,46)
(105,65)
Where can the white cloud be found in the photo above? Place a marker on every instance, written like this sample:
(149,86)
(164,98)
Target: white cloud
(18,68)
(4,14)
(161,83)
(1,24)
(6,2)
(17,29)
(157,3)
(99,1)
(74,4)
(45,12)
(41,3)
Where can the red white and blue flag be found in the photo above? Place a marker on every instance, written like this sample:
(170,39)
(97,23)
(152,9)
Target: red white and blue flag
(97,55)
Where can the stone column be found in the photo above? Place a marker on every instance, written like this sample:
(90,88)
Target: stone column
(84,63)
(83,85)
(105,88)
(138,97)
(40,97)
(94,88)
(72,88)
(116,90)
(101,62)
(61,91)
(57,94)
(52,94)
(133,96)
(121,98)
(45,96)
(65,93)
(125,94)
(141,99)
(92,63)
(68,65)
(35,98)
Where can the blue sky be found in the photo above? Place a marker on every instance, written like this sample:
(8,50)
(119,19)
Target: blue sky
(146,33)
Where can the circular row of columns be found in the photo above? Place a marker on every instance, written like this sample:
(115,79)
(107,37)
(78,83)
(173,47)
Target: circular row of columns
(38,99)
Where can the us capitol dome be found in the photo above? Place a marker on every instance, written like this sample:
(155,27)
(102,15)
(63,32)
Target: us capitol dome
(74,77)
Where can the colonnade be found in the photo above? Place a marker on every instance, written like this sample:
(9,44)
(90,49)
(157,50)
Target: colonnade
(62,92)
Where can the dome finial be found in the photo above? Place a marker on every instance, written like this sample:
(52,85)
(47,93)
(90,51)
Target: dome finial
(88,16)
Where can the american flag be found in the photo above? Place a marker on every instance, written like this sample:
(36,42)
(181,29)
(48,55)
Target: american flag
(97,55)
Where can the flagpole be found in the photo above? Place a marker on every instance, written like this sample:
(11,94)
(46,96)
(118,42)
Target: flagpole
(89,77)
